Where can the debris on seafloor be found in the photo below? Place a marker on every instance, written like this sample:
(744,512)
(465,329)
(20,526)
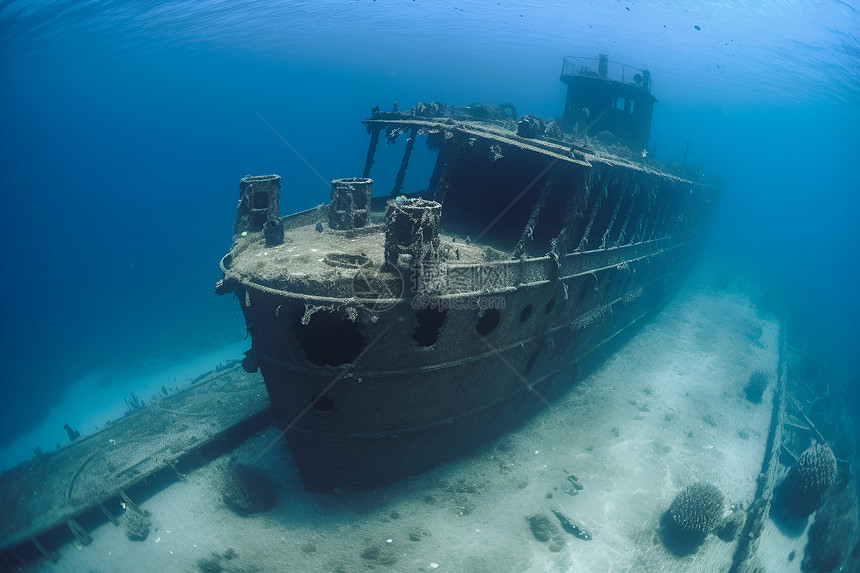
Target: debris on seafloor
(136,522)
(247,489)
(545,531)
(572,527)
(73,434)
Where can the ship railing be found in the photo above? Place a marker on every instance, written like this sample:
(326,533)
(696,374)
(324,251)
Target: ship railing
(603,67)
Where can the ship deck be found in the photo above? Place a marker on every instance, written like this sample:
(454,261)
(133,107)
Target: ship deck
(315,262)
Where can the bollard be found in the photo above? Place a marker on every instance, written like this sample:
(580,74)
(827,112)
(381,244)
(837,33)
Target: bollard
(273,231)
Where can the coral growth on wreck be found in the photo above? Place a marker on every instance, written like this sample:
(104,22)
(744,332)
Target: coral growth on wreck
(136,523)
(756,386)
(803,490)
(697,508)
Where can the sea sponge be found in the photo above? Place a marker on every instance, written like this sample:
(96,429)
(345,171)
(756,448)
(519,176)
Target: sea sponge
(247,489)
(381,553)
(807,482)
(136,522)
(698,508)
(754,389)
(545,530)
(215,564)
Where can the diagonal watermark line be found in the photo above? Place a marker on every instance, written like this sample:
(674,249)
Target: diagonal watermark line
(328,387)
(531,388)
(595,120)
(515,371)
(326,182)
(517,198)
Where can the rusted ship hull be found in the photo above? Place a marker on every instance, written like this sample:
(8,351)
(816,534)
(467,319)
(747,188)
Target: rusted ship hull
(399,408)
(379,423)
(398,331)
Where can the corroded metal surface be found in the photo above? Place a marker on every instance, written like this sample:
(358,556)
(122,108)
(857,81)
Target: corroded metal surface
(566,249)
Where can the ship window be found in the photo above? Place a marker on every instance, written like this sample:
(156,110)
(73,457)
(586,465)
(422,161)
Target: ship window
(429,324)
(261,200)
(550,305)
(488,321)
(527,312)
(623,104)
(329,338)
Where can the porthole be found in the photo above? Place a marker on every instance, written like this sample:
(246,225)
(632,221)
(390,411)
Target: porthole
(430,322)
(329,338)
(526,313)
(488,321)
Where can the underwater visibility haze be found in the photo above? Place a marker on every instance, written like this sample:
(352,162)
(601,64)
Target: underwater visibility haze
(126,126)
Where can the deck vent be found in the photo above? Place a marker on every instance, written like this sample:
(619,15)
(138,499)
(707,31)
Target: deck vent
(273,232)
(258,202)
(350,203)
(346,260)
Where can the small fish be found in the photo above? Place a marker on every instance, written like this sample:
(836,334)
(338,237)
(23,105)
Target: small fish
(571,527)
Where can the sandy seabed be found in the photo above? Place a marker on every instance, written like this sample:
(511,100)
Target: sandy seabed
(665,411)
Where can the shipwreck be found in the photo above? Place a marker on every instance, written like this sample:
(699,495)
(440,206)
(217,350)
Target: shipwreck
(396,328)
(466,285)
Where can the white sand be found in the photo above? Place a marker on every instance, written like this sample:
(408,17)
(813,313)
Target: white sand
(667,410)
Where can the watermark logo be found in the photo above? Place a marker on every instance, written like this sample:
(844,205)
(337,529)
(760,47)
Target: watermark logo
(453,278)
(441,286)
(424,300)
(435,285)
(378,288)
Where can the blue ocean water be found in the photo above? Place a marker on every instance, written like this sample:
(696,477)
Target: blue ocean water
(125,127)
